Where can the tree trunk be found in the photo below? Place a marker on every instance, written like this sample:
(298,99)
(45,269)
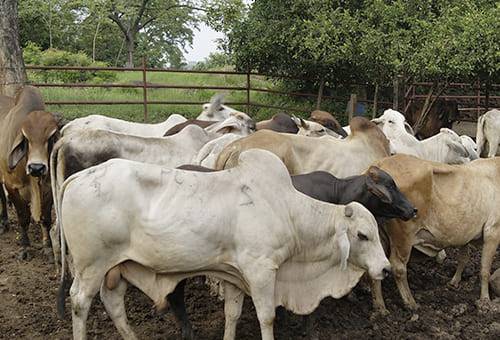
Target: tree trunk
(12,72)
(130,49)
(95,38)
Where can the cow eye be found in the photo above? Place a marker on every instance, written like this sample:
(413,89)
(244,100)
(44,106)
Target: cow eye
(362,237)
(391,122)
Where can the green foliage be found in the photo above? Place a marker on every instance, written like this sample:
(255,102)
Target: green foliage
(34,55)
(214,61)
(369,41)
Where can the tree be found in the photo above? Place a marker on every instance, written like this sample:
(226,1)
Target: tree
(163,20)
(12,73)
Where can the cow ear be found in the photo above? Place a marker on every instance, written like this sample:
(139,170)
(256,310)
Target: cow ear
(296,120)
(18,150)
(304,124)
(458,148)
(344,246)
(378,190)
(409,129)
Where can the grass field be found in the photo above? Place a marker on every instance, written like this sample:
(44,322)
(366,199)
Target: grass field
(160,112)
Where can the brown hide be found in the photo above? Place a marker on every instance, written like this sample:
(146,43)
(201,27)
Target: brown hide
(442,115)
(177,128)
(280,122)
(327,120)
(27,134)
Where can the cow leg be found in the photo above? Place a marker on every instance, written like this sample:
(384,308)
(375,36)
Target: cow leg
(399,260)
(46,226)
(263,300)
(176,302)
(4,225)
(233,304)
(23,216)
(82,291)
(493,147)
(463,258)
(378,298)
(114,302)
(56,245)
(491,238)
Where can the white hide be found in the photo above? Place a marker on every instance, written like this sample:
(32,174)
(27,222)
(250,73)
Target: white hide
(237,123)
(162,225)
(215,110)
(122,126)
(312,129)
(208,154)
(488,133)
(445,147)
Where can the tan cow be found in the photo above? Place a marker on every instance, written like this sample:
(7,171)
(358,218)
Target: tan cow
(456,204)
(301,154)
(327,120)
(27,136)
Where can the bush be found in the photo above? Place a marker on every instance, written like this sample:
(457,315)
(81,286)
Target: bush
(52,57)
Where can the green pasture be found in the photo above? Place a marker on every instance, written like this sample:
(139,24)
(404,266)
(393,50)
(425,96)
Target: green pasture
(161,112)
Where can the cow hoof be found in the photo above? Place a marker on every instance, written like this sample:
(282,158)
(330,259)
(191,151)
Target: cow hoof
(24,255)
(379,313)
(453,285)
(485,306)
(49,255)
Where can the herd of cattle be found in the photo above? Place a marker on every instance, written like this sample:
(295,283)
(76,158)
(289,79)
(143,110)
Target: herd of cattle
(287,211)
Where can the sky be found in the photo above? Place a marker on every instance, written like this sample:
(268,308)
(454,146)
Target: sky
(203,43)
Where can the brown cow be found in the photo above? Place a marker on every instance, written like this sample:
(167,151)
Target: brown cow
(442,115)
(327,120)
(280,122)
(177,128)
(28,134)
(457,205)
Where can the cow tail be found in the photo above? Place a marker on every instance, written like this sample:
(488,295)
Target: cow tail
(57,197)
(480,140)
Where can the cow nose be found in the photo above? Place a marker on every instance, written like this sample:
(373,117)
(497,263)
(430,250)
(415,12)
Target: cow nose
(415,211)
(252,125)
(386,271)
(36,169)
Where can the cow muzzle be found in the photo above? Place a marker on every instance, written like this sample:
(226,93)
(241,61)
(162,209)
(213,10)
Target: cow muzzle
(37,169)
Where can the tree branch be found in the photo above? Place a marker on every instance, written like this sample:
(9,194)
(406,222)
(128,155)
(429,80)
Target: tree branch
(140,13)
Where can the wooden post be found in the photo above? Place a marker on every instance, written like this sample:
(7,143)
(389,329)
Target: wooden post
(395,98)
(375,102)
(478,112)
(248,92)
(487,95)
(320,93)
(144,89)
(352,105)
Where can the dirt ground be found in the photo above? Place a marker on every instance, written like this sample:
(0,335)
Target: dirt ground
(28,289)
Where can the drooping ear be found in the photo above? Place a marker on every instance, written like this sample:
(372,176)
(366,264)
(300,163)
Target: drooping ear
(18,150)
(304,124)
(296,120)
(378,120)
(378,190)
(229,125)
(458,148)
(343,244)
(409,129)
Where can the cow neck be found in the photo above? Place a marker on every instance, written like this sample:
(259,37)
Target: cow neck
(312,220)
(347,190)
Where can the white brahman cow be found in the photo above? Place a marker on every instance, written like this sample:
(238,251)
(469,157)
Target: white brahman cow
(488,133)
(445,147)
(85,148)
(151,226)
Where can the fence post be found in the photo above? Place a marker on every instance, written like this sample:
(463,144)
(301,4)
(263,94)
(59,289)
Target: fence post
(144,89)
(375,102)
(320,93)
(248,92)
(478,112)
(395,98)
(352,105)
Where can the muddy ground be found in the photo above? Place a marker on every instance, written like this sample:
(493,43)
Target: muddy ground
(28,289)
